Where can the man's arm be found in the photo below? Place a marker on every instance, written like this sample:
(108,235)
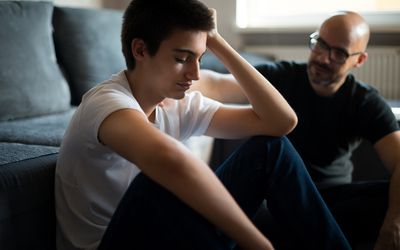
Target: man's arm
(221,87)
(177,170)
(388,149)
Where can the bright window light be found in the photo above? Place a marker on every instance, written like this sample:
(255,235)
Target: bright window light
(294,13)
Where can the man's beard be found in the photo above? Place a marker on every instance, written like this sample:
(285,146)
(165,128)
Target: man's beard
(321,74)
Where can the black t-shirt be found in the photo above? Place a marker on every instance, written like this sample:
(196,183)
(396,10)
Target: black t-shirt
(330,128)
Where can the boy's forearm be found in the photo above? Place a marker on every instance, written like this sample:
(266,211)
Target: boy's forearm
(267,102)
(196,185)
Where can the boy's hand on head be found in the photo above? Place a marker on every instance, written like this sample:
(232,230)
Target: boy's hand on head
(214,15)
(214,32)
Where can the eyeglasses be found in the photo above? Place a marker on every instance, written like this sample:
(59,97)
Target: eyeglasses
(336,55)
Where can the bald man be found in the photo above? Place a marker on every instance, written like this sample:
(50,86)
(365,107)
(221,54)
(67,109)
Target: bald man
(335,112)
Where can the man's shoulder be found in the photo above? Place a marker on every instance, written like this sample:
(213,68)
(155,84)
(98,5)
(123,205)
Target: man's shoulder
(284,65)
(360,90)
(366,98)
(285,75)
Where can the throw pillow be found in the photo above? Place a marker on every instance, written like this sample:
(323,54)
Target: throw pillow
(88,46)
(31,82)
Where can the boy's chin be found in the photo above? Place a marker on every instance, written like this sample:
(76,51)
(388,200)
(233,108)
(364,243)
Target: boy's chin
(178,96)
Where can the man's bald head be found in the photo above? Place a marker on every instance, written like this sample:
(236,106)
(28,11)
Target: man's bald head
(350,26)
(340,47)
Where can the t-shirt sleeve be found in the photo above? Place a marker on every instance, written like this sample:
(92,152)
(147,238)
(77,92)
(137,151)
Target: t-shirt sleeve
(377,120)
(100,105)
(196,112)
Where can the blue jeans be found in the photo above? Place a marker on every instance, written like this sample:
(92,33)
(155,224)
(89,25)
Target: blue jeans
(149,217)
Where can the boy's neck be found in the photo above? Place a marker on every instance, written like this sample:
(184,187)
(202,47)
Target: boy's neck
(145,101)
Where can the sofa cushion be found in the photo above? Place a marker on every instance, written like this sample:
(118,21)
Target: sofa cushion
(43,130)
(16,152)
(31,82)
(88,46)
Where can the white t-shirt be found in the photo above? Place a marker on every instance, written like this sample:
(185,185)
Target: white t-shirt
(91,178)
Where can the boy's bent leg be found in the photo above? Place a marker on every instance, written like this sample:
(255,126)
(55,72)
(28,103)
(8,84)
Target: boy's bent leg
(269,167)
(150,217)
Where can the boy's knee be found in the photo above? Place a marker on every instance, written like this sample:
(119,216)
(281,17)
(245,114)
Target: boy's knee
(271,148)
(261,142)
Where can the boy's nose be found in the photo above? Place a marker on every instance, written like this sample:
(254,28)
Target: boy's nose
(193,72)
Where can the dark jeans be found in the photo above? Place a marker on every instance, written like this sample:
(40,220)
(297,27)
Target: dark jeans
(149,217)
(359,209)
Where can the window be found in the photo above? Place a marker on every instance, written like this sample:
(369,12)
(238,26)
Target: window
(309,13)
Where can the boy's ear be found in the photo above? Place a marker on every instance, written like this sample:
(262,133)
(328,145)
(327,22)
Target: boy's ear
(138,48)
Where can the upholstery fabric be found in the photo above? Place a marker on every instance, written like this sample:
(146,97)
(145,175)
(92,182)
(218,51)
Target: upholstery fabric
(31,82)
(27,213)
(16,152)
(92,38)
(42,130)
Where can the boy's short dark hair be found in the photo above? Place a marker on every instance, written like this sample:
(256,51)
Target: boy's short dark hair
(154,20)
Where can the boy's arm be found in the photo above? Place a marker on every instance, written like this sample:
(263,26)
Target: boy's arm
(172,166)
(269,113)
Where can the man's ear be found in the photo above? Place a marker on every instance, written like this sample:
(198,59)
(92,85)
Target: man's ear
(361,59)
(138,48)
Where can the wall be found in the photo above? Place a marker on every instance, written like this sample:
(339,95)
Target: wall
(110,4)
(226,11)
(80,3)
(226,18)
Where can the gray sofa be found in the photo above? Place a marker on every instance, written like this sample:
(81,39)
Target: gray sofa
(49,57)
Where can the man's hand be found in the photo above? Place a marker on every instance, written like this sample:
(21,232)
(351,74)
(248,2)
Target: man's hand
(388,149)
(389,237)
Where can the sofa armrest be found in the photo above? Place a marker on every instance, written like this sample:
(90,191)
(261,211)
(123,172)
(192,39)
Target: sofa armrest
(27,214)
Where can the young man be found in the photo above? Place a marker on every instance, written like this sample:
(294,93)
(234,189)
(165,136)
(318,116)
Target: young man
(335,111)
(123,179)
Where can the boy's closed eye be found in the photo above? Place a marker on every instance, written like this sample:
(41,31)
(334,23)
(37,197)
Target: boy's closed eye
(185,56)
(181,60)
